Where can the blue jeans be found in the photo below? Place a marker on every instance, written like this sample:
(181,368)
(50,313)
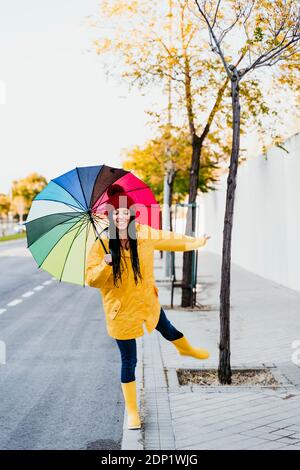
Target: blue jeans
(128,347)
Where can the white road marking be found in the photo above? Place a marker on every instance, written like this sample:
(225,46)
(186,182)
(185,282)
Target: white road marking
(38,288)
(25,295)
(28,294)
(14,302)
(21,251)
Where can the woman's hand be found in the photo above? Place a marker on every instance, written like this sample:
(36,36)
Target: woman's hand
(108,258)
(207,237)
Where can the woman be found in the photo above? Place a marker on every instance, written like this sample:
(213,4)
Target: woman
(130,297)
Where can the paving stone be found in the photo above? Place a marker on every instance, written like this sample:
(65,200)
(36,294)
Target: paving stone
(262,332)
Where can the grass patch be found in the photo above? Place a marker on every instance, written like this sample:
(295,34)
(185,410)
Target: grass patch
(15,236)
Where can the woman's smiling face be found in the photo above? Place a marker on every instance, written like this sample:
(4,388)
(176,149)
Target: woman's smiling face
(121,217)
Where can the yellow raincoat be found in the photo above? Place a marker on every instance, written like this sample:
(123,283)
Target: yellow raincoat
(128,306)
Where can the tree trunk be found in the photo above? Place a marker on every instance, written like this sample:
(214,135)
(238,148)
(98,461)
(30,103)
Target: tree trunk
(168,198)
(187,294)
(171,184)
(224,370)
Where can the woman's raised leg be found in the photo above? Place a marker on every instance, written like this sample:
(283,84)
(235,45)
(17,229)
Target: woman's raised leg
(166,329)
(169,332)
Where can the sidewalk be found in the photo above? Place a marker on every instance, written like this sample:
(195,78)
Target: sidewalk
(264,324)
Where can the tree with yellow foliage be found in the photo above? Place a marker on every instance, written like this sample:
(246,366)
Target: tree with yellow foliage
(23,192)
(135,45)
(148,163)
(4,205)
(265,34)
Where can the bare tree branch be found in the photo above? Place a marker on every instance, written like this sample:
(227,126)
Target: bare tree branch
(290,35)
(216,14)
(214,39)
(266,58)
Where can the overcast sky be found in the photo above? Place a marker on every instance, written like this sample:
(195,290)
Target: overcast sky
(59,110)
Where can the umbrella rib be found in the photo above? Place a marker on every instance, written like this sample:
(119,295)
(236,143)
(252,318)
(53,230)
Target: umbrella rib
(75,199)
(60,223)
(136,189)
(61,202)
(68,231)
(126,191)
(122,176)
(100,171)
(70,247)
(76,214)
(82,188)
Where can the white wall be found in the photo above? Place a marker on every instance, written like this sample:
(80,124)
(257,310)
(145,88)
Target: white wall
(266,228)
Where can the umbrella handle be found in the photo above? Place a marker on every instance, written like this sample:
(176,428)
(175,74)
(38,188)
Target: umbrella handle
(99,236)
(100,239)
(103,245)
(110,264)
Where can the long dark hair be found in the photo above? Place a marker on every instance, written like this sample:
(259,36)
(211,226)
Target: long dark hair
(115,249)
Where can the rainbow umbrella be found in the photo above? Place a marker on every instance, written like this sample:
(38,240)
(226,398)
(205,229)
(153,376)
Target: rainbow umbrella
(66,217)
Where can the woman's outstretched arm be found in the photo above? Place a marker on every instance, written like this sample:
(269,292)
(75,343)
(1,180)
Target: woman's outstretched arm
(97,271)
(166,240)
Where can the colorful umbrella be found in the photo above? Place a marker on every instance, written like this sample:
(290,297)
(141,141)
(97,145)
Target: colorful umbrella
(66,217)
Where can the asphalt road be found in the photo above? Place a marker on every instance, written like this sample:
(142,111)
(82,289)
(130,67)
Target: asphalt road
(60,374)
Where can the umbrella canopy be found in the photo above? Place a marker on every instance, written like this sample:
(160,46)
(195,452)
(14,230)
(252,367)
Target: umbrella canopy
(66,217)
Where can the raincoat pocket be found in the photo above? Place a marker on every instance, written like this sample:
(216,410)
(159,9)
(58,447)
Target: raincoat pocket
(114,309)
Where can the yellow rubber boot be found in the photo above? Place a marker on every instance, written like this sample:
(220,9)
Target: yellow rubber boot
(133,417)
(186,349)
